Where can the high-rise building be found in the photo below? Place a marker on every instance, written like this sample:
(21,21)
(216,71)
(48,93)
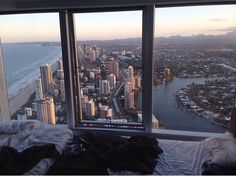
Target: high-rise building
(127,88)
(84,101)
(60,74)
(21,115)
(62,89)
(105,111)
(97,53)
(112,80)
(60,64)
(90,109)
(46,110)
(132,83)
(92,56)
(85,49)
(28,112)
(137,81)
(113,68)
(130,71)
(46,78)
(104,87)
(39,90)
(91,75)
(129,100)
(4,105)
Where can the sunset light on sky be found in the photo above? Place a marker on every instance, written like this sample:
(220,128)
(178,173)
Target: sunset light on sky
(209,20)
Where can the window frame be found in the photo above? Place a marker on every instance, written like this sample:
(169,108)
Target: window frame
(66,10)
(67,24)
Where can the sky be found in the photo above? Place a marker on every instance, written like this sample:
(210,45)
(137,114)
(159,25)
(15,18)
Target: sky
(209,20)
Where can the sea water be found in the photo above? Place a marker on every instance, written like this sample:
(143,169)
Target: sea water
(22,63)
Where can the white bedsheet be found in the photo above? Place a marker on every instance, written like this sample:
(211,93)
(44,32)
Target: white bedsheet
(181,157)
(178,158)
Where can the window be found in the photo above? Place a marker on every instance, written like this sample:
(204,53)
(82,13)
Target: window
(194,67)
(110,68)
(33,65)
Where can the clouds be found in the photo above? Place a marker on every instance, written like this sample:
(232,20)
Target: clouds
(226,29)
(218,19)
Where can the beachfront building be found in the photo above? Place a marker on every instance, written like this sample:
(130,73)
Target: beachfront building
(4,105)
(46,110)
(39,89)
(46,77)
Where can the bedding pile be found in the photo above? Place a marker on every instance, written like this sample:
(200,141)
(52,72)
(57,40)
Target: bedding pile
(223,155)
(100,152)
(27,136)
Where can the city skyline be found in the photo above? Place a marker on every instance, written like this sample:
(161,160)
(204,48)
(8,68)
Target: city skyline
(127,24)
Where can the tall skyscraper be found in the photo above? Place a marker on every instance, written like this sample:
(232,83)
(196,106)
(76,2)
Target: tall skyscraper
(85,49)
(92,56)
(127,87)
(129,100)
(130,71)
(104,87)
(137,81)
(113,68)
(90,109)
(112,80)
(84,101)
(62,89)
(39,90)
(46,78)
(60,64)
(46,110)
(4,105)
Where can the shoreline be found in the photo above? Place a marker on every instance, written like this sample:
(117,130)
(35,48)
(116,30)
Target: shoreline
(22,96)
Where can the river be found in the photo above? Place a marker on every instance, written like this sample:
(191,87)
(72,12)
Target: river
(177,118)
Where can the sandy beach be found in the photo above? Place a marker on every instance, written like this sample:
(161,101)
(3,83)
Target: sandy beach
(21,98)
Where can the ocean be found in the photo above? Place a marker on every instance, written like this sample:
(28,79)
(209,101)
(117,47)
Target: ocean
(22,62)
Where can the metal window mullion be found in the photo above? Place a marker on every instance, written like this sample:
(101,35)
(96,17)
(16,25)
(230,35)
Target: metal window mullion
(75,65)
(67,66)
(147,55)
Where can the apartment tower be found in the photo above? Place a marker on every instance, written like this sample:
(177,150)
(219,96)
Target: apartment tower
(4,105)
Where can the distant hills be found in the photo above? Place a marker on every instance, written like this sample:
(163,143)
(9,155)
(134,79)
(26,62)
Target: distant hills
(229,37)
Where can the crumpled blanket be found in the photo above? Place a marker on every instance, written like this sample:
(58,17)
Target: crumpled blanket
(101,152)
(34,133)
(15,163)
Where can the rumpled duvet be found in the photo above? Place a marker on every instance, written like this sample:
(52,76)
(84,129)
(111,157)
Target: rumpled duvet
(29,133)
(32,132)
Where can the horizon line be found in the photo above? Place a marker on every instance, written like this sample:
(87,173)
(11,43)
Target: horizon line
(91,40)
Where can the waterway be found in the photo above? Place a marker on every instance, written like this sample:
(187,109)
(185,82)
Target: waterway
(176,117)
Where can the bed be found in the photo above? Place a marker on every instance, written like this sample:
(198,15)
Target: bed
(178,157)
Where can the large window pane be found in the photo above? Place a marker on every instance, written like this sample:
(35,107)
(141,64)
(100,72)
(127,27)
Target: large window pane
(109,52)
(33,66)
(194,67)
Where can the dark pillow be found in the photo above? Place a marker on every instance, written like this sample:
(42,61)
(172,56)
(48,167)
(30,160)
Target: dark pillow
(210,168)
(232,126)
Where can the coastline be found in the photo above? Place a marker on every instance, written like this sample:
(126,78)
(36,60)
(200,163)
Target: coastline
(22,96)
